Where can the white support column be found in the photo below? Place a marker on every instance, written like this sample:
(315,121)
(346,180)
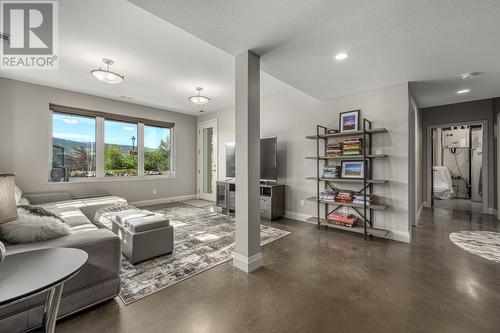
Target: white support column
(247,255)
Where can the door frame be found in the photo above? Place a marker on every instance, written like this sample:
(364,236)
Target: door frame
(199,176)
(486,170)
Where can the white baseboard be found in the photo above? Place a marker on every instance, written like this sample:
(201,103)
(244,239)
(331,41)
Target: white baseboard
(426,204)
(160,201)
(400,236)
(297,216)
(246,264)
(492,211)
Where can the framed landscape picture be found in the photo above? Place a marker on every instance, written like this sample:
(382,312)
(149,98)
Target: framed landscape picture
(353,169)
(349,121)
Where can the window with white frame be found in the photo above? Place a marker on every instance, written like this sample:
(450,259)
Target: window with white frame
(95,145)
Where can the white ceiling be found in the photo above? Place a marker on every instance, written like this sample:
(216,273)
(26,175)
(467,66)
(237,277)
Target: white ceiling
(162,63)
(430,42)
(189,43)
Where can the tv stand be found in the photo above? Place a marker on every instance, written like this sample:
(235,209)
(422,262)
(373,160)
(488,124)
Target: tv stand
(272,198)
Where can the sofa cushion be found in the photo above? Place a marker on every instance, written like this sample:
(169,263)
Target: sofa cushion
(78,213)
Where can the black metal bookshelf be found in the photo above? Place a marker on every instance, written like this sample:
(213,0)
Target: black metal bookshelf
(364,211)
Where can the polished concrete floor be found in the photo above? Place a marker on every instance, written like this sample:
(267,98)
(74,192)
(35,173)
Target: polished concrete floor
(459,204)
(328,281)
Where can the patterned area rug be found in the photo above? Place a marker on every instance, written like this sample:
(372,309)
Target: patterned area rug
(482,243)
(202,240)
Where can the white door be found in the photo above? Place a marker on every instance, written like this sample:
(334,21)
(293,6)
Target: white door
(207,159)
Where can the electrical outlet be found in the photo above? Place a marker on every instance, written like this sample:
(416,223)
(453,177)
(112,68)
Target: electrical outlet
(345,210)
(302,203)
(154,191)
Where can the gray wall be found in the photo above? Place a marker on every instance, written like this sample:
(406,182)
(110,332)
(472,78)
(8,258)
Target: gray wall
(291,115)
(25,122)
(462,112)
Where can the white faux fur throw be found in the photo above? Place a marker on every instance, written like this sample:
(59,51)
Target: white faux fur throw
(32,228)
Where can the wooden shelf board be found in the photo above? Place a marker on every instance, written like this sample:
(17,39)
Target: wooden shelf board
(346,204)
(355,134)
(346,180)
(347,158)
(357,229)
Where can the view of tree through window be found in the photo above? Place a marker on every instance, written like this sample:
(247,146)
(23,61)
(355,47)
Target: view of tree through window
(120,148)
(156,150)
(77,138)
(73,147)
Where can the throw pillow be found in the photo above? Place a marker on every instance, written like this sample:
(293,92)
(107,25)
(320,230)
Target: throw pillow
(30,228)
(23,202)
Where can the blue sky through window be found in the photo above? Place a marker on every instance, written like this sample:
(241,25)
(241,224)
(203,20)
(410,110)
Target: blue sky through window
(119,133)
(74,128)
(82,129)
(153,135)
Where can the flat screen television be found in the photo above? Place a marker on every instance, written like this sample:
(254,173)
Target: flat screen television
(268,159)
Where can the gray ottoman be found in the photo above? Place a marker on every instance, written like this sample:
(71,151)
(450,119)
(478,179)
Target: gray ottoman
(143,236)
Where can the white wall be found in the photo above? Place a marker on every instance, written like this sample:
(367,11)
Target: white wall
(291,115)
(416,172)
(25,122)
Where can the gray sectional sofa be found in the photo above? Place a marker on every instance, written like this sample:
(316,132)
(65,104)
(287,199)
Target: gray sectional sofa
(98,281)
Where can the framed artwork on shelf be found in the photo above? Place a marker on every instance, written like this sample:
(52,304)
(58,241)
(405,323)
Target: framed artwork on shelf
(349,121)
(353,169)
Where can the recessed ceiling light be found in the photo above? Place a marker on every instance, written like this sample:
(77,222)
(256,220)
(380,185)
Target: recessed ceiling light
(341,56)
(199,99)
(466,76)
(463,91)
(105,75)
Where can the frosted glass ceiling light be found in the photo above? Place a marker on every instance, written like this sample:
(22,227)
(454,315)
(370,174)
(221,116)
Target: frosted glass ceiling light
(105,75)
(199,99)
(341,56)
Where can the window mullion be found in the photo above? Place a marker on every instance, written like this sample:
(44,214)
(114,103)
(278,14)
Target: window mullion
(140,149)
(100,147)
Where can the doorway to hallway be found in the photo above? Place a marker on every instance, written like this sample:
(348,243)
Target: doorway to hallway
(458,170)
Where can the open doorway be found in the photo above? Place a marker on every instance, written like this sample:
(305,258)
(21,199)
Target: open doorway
(459,167)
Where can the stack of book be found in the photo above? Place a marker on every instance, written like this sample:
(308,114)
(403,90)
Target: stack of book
(351,147)
(332,172)
(327,195)
(345,197)
(348,220)
(360,199)
(334,149)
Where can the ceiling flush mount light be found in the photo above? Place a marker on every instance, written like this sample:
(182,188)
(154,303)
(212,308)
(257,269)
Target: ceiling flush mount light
(105,75)
(463,91)
(199,99)
(466,76)
(341,56)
